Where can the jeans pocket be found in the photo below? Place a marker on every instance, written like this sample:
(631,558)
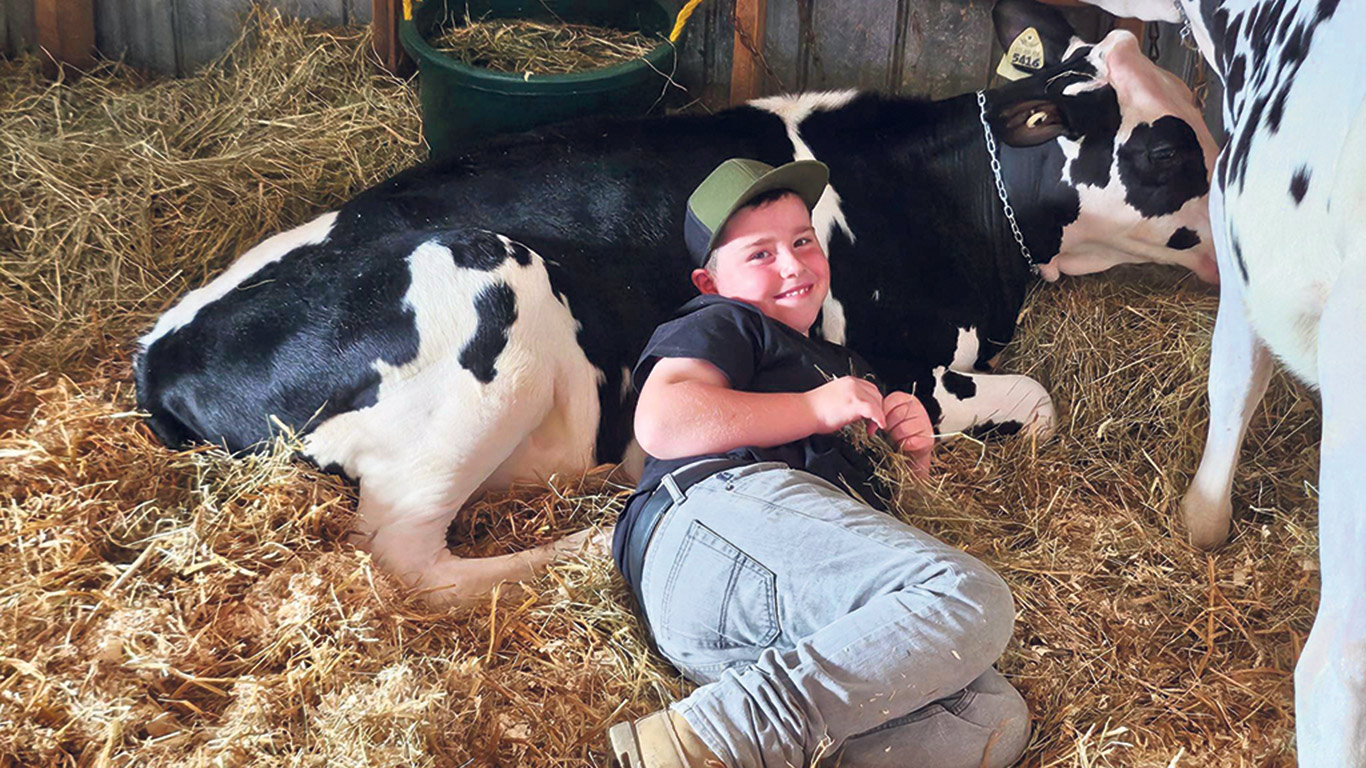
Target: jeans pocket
(718,597)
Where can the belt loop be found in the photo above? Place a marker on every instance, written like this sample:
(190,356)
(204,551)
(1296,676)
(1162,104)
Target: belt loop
(668,482)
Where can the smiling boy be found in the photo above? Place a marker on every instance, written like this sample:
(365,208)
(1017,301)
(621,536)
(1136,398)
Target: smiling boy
(813,622)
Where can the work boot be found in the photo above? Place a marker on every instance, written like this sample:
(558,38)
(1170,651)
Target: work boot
(661,739)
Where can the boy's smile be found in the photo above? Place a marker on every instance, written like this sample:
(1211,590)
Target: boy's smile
(769,257)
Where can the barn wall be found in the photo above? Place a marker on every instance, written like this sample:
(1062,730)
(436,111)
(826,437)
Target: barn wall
(917,47)
(176,37)
(18,31)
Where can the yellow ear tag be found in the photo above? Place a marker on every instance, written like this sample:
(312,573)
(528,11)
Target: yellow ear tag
(1026,53)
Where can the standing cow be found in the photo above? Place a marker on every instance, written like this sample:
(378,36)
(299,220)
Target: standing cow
(471,323)
(1289,207)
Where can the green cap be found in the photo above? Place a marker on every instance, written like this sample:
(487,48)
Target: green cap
(736,182)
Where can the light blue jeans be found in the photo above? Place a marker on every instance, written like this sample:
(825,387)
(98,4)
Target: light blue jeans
(818,626)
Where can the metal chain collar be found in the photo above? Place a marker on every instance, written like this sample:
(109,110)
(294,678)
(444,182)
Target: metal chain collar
(1001,185)
(1187,37)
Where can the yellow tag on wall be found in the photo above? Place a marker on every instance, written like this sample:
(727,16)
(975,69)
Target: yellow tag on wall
(1025,54)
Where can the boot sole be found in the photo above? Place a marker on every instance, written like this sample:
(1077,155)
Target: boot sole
(625,747)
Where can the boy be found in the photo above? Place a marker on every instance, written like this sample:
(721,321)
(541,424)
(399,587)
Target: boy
(814,623)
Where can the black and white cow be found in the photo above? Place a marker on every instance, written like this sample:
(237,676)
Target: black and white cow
(471,323)
(1289,208)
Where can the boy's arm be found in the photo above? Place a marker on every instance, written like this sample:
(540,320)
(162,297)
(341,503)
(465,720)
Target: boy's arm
(687,408)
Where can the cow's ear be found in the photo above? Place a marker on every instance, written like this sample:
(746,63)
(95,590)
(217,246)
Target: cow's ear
(1033,35)
(1026,123)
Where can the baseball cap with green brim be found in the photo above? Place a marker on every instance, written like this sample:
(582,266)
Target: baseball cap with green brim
(736,182)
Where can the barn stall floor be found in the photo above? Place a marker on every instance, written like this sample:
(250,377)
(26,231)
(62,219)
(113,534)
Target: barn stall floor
(164,608)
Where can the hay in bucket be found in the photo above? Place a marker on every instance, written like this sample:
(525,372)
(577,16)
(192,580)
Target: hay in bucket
(540,48)
(165,608)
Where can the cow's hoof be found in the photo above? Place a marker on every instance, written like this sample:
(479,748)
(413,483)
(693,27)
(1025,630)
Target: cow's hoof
(1207,521)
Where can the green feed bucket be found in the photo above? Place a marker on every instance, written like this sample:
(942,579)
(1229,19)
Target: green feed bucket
(461,103)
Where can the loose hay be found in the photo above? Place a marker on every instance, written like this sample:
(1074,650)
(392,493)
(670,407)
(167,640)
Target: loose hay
(536,48)
(165,608)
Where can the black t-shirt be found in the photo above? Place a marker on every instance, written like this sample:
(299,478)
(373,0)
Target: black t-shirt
(757,354)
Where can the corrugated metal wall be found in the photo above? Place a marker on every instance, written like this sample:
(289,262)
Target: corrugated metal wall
(171,37)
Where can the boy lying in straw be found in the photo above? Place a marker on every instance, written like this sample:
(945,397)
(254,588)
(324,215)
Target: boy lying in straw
(814,623)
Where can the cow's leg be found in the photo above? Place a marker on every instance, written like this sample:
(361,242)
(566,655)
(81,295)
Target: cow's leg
(1240,367)
(1330,678)
(1006,402)
(421,452)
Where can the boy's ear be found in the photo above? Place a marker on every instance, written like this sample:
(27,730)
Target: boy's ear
(704,281)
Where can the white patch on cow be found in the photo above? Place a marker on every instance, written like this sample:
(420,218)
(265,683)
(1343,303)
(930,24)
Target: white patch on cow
(997,399)
(965,350)
(793,110)
(833,323)
(1070,150)
(266,252)
(436,434)
(877,294)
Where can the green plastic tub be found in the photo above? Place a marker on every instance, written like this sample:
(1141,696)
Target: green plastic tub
(461,104)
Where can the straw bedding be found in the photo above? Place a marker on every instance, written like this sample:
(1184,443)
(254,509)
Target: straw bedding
(163,608)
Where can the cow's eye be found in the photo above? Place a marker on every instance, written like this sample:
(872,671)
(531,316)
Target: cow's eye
(1162,154)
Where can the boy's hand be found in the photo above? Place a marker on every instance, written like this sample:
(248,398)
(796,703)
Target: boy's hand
(844,401)
(909,427)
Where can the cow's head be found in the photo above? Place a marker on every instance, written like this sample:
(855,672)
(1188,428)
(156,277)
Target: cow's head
(1114,145)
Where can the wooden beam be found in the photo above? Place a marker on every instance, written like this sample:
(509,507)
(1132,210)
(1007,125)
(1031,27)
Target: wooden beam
(746,69)
(66,30)
(384,19)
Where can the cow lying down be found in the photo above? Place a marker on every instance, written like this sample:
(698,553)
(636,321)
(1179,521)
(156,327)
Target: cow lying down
(472,323)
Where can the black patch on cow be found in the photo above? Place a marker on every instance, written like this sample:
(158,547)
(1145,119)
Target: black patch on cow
(496,308)
(1299,184)
(1277,111)
(474,248)
(1162,167)
(1183,239)
(1296,47)
(1284,28)
(1233,82)
(1238,258)
(1097,153)
(1221,30)
(1326,10)
(1242,145)
(989,430)
(520,253)
(958,385)
(296,342)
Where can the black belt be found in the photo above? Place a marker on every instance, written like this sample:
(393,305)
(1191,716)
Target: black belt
(657,503)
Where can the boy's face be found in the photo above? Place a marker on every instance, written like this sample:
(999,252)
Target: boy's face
(769,257)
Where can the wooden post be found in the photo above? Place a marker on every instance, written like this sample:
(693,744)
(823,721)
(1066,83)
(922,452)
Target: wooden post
(746,71)
(384,19)
(66,30)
